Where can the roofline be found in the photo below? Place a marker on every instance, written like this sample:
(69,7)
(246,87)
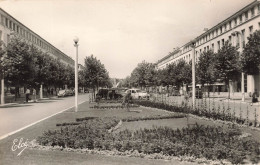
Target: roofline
(35,33)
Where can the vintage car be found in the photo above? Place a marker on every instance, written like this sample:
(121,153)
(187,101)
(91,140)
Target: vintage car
(138,94)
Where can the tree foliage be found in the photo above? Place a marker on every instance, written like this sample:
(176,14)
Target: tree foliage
(23,65)
(95,73)
(205,68)
(227,63)
(251,55)
(143,75)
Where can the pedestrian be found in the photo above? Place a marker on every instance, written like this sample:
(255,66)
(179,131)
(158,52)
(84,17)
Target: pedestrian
(34,95)
(255,96)
(126,99)
(27,94)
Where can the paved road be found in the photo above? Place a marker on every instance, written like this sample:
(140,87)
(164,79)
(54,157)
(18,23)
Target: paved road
(15,117)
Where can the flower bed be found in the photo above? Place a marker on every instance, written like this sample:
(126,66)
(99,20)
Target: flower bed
(113,106)
(171,116)
(198,112)
(213,143)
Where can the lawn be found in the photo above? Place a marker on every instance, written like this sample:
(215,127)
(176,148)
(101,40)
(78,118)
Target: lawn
(33,156)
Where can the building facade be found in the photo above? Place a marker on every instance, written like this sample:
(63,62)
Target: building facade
(10,26)
(234,29)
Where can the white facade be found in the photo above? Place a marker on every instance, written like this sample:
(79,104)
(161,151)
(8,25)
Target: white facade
(234,29)
(10,26)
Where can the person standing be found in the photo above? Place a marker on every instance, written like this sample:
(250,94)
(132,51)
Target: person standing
(254,96)
(34,95)
(126,100)
(27,94)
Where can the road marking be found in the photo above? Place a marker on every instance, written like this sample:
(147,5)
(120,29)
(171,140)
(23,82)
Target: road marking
(11,133)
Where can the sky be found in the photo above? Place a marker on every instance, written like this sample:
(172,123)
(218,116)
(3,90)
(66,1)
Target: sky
(120,33)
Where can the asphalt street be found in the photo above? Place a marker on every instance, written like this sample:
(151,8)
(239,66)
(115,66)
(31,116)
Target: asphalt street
(18,116)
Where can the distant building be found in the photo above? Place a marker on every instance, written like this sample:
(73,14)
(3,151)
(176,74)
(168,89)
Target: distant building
(80,67)
(9,25)
(234,29)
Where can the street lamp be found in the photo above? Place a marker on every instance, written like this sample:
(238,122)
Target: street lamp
(237,33)
(76,40)
(193,72)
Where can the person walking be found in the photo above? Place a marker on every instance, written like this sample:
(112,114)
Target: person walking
(126,100)
(27,94)
(255,96)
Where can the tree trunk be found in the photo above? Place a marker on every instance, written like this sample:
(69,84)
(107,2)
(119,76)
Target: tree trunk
(208,89)
(228,91)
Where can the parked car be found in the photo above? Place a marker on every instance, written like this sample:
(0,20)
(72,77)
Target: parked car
(138,94)
(66,92)
(109,93)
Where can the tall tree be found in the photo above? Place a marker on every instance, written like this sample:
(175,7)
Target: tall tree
(20,63)
(95,73)
(205,68)
(227,64)
(251,55)
(143,74)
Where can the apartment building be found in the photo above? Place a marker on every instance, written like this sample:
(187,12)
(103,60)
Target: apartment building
(234,29)
(10,26)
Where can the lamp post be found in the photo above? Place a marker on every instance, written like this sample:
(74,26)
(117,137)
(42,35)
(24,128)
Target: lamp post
(237,33)
(76,40)
(193,73)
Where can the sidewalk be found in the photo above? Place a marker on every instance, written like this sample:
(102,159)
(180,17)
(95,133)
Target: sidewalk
(21,101)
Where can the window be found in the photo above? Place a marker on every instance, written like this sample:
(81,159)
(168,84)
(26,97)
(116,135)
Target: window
(6,22)
(246,15)
(0,35)
(243,38)
(252,12)
(218,45)
(223,42)
(225,28)
(230,25)
(238,41)
(1,21)
(230,39)
(14,26)
(240,19)
(10,24)
(251,29)
(18,28)
(235,22)
(220,30)
(212,47)
(258,8)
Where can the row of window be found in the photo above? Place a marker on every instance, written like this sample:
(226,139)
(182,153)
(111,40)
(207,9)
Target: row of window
(229,25)
(220,43)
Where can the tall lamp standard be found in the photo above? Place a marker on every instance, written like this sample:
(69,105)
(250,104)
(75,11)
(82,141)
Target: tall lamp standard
(76,40)
(193,73)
